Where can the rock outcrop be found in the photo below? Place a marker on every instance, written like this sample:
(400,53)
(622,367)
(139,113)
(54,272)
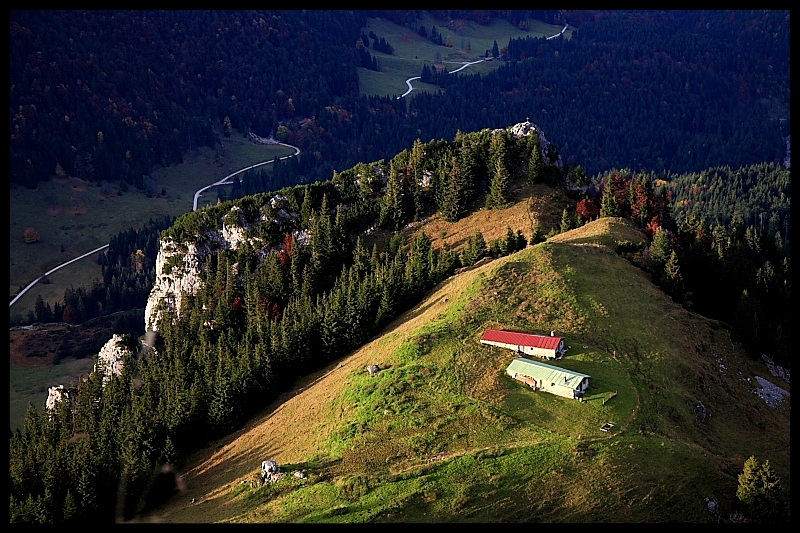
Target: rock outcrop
(526,128)
(56,395)
(179,265)
(110,359)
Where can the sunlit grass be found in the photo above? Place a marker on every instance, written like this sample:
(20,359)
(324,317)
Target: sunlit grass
(441,433)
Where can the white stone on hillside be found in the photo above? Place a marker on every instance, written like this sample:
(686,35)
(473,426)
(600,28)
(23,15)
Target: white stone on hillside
(770,393)
(110,358)
(55,395)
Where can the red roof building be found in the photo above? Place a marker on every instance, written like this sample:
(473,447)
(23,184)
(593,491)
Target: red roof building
(545,346)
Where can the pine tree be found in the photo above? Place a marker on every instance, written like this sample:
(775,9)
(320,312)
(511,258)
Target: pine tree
(418,267)
(393,203)
(475,251)
(660,249)
(306,208)
(537,234)
(673,280)
(535,164)
(499,190)
(761,492)
(566,221)
(641,199)
(608,204)
(746,319)
(39,309)
(512,242)
(454,202)
(499,195)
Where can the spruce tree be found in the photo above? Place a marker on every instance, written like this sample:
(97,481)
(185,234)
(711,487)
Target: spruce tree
(454,202)
(393,203)
(500,188)
(673,280)
(566,221)
(537,234)
(660,249)
(761,492)
(609,207)
(535,164)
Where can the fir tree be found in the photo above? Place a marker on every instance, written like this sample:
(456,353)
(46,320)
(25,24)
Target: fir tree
(500,188)
(609,207)
(454,202)
(566,221)
(393,203)
(673,280)
(535,164)
(761,492)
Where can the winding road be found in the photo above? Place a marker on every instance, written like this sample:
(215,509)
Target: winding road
(465,65)
(227,179)
(197,194)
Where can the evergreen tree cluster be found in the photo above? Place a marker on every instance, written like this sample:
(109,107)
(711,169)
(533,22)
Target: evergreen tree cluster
(723,95)
(363,57)
(719,244)
(244,336)
(128,270)
(108,94)
(379,44)
(433,75)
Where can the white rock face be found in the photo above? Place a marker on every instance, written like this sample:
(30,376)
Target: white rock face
(186,261)
(169,288)
(55,395)
(523,129)
(110,359)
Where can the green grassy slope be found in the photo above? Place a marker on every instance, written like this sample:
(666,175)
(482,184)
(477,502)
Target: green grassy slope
(443,435)
(470,41)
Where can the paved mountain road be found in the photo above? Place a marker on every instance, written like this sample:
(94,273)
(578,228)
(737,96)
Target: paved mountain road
(465,65)
(226,179)
(197,194)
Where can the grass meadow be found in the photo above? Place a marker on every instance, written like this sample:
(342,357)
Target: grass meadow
(73,216)
(470,41)
(442,434)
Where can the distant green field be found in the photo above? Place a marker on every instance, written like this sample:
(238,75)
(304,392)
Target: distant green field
(29,384)
(470,41)
(74,217)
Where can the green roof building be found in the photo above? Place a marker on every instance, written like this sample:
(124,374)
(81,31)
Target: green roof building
(549,378)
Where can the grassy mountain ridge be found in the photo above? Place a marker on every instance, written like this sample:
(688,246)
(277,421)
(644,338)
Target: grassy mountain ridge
(442,435)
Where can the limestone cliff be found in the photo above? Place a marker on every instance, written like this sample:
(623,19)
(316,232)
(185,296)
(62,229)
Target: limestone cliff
(111,357)
(179,265)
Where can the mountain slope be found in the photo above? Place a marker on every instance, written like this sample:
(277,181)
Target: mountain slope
(442,435)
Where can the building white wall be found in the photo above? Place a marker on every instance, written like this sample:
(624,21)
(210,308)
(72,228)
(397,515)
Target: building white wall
(527,350)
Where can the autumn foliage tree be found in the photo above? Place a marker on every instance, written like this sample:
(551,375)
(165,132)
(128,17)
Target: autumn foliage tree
(31,236)
(587,209)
